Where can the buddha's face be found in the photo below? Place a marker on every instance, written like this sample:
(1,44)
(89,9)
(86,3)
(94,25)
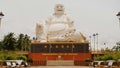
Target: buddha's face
(59,9)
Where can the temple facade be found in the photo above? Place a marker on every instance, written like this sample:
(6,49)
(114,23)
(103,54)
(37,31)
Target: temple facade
(58,42)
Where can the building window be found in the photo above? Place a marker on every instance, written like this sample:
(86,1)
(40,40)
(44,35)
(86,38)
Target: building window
(62,46)
(67,46)
(56,46)
(73,46)
(45,46)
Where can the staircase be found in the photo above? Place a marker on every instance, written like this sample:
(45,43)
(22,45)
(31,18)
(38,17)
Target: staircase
(60,62)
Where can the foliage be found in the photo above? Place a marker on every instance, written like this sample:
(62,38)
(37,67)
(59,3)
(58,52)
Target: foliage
(9,57)
(10,42)
(1,45)
(26,43)
(116,55)
(112,56)
(98,58)
(21,58)
(116,47)
(109,57)
(23,42)
(20,41)
(105,57)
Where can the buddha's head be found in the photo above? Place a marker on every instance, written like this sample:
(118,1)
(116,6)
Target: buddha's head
(59,9)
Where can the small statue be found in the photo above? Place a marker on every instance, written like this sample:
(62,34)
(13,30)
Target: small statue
(40,35)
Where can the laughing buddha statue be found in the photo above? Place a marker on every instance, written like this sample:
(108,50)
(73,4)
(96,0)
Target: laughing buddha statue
(59,28)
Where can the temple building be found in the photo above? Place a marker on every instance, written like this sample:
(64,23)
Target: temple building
(58,42)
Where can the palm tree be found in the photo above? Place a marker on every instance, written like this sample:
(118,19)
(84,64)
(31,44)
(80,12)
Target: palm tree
(26,43)
(20,42)
(23,42)
(9,42)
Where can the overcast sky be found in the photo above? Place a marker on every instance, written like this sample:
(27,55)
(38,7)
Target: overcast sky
(89,16)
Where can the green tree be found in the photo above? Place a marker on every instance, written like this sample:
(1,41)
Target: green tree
(9,42)
(116,47)
(1,45)
(23,42)
(20,41)
(26,43)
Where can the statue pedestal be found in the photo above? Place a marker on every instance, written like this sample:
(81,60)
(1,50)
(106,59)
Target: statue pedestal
(47,51)
(59,47)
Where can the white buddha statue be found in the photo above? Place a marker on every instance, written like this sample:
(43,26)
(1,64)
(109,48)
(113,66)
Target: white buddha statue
(59,27)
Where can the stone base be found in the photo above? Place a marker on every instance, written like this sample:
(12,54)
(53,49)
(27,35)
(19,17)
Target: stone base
(59,53)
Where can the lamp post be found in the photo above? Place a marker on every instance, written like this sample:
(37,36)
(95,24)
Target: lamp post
(1,16)
(97,41)
(94,40)
(105,47)
(90,43)
(94,46)
(118,15)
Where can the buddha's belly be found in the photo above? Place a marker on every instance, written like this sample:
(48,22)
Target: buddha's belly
(58,27)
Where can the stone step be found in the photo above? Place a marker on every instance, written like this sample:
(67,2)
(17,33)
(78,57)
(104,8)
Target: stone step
(60,62)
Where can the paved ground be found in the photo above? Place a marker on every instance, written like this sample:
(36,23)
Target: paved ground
(60,67)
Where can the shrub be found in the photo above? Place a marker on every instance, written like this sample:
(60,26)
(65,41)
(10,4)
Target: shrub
(9,57)
(21,58)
